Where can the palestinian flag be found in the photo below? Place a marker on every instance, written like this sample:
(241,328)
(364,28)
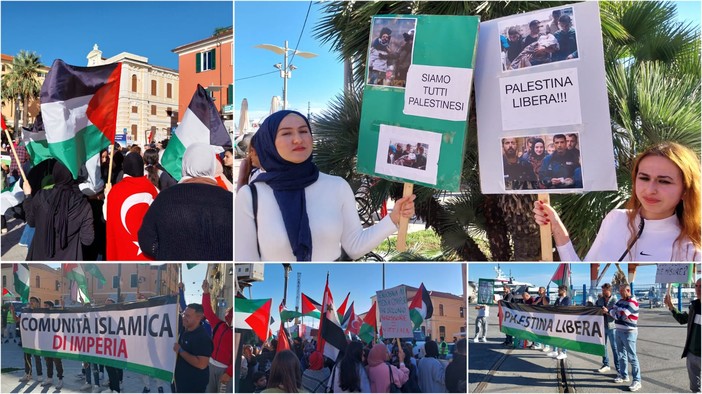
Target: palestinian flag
(310,307)
(560,277)
(21,274)
(331,332)
(93,270)
(201,123)
(370,325)
(578,328)
(3,125)
(421,307)
(342,308)
(253,315)
(347,317)
(79,285)
(191,265)
(7,293)
(34,141)
(286,315)
(127,204)
(79,111)
(283,341)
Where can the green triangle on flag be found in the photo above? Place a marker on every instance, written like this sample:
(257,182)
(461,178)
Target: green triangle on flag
(21,276)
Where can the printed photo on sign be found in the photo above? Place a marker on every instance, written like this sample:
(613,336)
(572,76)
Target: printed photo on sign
(542,162)
(408,153)
(390,51)
(537,39)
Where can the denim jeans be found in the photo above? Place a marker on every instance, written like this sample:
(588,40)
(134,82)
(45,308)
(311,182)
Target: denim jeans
(609,336)
(626,346)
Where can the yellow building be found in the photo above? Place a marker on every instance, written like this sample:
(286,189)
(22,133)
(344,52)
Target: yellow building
(449,317)
(132,280)
(8,103)
(44,282)
(148,95)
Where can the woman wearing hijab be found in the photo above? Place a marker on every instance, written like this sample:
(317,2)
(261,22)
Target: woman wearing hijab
(193,219)
(125,206)
(62,218)
(381,373)
(536,156)
(301,214)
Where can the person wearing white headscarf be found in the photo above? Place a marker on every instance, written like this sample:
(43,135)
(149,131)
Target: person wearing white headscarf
(193,219)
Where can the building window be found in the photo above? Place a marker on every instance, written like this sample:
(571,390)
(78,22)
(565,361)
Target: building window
(230,93)
(135,109)
(4,281)
(100,285)
(133,280)
(38,282)
(153,110)
(134,83)
(153,88)
(169,90)
(442,331)
(441,309)
(58,285)
(134,132)
(460,311)
(115,281)
(205,61)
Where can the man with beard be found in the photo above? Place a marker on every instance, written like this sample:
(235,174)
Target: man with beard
(517,173)
(559,170)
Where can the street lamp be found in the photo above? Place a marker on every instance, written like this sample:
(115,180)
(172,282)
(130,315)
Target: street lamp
(285,68)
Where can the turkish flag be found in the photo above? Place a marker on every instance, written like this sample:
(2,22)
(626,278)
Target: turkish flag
(127,203)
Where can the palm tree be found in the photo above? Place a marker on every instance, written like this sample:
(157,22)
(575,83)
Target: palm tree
(645,50)
(22,80)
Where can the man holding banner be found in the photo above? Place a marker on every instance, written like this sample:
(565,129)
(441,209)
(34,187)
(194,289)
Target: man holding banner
(626,318)
(607,301)
(194,348)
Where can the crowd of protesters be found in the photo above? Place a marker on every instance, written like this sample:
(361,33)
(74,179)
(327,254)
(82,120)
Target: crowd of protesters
(69,219)
(368,368)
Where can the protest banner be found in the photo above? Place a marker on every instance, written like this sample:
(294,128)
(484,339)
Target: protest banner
(541,101)
(137,336)
(486,290)
(394,312)
(416,98)
(577,328)
(674,273)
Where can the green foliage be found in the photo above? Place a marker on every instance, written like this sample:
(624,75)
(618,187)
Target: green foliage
(22,80)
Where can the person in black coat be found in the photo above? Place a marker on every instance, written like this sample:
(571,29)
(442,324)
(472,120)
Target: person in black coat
(193,219)
(455,377)
(507,296)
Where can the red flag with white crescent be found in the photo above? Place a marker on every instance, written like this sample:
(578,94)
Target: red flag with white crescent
(127,204)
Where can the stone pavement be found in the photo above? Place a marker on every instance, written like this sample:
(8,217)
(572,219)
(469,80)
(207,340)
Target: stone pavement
(9,242)
(12,360)
(494,367)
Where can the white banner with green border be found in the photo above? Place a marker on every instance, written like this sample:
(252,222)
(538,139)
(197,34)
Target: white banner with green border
(137,336)
(577,328)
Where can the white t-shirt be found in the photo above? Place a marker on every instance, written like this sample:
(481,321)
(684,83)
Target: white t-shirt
(657,242)
(333,217)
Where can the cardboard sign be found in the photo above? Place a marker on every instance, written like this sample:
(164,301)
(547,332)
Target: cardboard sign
(674,273)
(394,313)
(542,105)
(416,99)
(486,291)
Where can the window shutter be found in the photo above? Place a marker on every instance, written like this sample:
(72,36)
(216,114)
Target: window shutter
(230,94)
(197,63)
(213,53)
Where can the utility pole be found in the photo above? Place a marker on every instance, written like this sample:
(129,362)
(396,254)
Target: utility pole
(297,295)
(285,68)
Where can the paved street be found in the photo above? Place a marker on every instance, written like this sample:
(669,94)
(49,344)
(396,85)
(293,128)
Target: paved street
(12,360)
(497,368)
(11,251)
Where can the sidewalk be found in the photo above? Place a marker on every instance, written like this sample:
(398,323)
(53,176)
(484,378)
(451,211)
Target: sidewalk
(12,360)
(11,251)
(494,367)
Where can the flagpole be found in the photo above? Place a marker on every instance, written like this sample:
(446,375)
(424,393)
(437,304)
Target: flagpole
(109,170)
(14,153)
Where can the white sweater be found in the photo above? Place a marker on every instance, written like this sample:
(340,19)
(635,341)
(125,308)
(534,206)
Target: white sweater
(334,222)
(657,242)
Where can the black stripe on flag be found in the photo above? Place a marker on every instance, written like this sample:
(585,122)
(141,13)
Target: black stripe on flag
(64,82)
(204,108)
(333,334)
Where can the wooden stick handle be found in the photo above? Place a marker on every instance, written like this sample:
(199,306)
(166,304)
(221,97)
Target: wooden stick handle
(109,170)
(14,153)
(545,233)
(404,222)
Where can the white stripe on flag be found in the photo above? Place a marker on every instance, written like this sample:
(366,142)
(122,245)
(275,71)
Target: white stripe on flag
(63,119)
(192,130)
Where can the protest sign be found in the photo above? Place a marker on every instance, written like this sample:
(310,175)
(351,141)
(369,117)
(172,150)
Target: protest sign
(394,313)
(486,290)
(578,328)
(674,273)
(137,336)
(541,101)
(416,98)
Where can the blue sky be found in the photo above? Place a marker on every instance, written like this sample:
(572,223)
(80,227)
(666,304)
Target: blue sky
(539,274)
(68,30)
(317,80)
(361,279)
